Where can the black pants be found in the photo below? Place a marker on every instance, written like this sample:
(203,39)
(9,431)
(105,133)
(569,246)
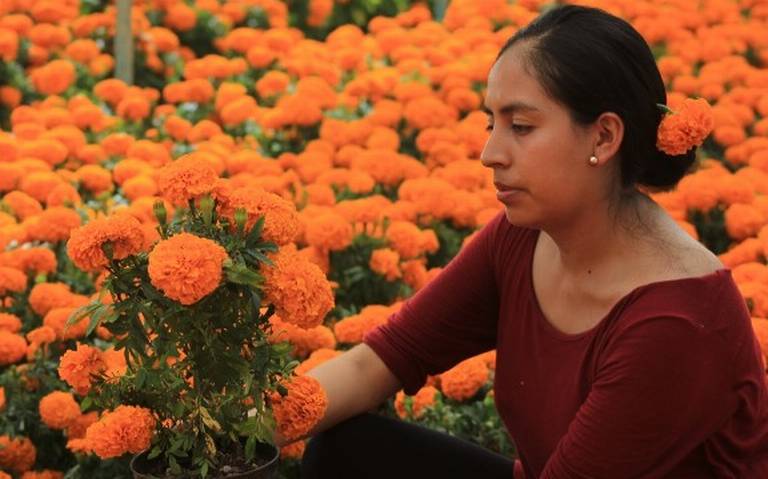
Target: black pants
(373,446)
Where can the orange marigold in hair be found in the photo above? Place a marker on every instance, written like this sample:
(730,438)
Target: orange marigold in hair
(299,290)
(78,367)
(126,429)
(299,411)
(423,399)
(12,348)
(53,224)
(12,280)
(186,268)
(281,221)
(465,379)
(17,454)
(686,128)
(10,322)
(186,179)
(3,475)
(58,410)
(123,232)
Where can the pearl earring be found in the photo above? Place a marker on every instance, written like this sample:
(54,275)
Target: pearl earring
(593,160)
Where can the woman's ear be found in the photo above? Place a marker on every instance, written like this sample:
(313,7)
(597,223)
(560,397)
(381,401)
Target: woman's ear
(609,132)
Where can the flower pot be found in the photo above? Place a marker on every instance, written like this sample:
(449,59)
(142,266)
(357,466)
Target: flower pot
(142,468)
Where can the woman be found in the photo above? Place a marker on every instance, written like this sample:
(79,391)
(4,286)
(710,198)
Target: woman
(624,349)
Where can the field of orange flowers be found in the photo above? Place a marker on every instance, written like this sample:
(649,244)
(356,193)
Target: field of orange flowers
(363,117)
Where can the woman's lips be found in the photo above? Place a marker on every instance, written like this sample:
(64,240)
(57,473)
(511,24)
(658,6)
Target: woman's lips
(508,196)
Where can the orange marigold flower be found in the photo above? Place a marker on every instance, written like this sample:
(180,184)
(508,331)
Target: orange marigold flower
(46,474)
(386,262)
(423,399)
(42,335)
(63,195)
(185,179)
(57,319)
(54,78)
(281,221)
(54,224)
(77,428)
(123,232)
(58,410)
(465,379)
(12,280)
(743,221)
(23,205)
(304,341)
(186,267)
(133,107)
(294,450)
(12,348)
(351,329)
(78,367)
(95,178)
(272,83)
(38,183)
(299,290)
(10,322)
(17,454)
(409,241)
(328,231)
(301,409)
(686,128)
(2,398)
(126,429)
(45,296)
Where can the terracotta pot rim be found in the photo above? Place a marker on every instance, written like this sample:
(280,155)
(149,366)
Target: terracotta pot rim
(241,475)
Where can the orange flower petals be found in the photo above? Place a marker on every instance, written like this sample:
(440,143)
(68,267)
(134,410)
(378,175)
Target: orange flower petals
(186,268)
(686,128)
(58,410)
(85,244)
(301,409)
(126,429)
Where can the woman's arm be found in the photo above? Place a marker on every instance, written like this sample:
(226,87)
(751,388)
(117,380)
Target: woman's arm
(354,382)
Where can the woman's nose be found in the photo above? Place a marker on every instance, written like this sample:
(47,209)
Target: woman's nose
(493,153)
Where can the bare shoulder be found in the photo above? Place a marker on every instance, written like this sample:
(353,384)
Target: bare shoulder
(682,256)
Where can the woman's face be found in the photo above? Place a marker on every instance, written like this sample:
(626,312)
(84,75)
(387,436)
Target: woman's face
(539,156)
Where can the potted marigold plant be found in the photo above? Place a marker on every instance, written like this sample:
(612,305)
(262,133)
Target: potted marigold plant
(189,303)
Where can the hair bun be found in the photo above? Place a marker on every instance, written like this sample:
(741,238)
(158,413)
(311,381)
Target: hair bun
(664,171)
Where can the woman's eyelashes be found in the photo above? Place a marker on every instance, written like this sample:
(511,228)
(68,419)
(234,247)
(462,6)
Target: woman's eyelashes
(516,127)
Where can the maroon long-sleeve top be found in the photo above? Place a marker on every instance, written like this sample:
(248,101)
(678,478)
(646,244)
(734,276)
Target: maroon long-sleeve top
(669,384)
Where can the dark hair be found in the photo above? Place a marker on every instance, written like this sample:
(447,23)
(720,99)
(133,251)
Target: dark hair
(593,62)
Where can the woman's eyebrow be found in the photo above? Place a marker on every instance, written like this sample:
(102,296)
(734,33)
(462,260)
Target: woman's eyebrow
(511,108)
